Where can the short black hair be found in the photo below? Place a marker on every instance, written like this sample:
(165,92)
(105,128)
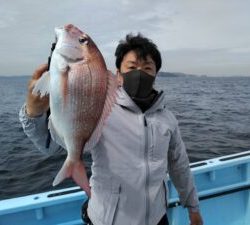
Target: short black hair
(142,47)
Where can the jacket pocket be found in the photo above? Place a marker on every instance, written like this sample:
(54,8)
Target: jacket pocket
(161,138)
(103,203)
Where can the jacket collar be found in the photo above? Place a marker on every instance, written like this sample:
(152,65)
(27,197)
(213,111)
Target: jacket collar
(124,100)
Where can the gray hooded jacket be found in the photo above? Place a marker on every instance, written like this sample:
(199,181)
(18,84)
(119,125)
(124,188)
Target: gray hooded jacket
(131,160)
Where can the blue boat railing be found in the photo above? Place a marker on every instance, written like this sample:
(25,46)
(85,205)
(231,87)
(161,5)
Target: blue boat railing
(223,185)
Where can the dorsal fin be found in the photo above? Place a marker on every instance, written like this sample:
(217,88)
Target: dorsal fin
(109,103)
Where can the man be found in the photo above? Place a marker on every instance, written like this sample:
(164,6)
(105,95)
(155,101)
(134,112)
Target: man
(140,143)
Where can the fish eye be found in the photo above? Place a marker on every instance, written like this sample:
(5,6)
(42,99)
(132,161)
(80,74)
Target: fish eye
(83,40)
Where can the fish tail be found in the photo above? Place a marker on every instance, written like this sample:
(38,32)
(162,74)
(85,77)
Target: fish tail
(77,171)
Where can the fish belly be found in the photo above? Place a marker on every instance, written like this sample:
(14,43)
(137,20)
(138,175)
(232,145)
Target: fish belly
(76,111)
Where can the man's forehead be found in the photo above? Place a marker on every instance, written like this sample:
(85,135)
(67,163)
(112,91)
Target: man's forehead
(132,57)
(143,61)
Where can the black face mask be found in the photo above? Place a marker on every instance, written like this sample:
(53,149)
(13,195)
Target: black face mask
(138,84)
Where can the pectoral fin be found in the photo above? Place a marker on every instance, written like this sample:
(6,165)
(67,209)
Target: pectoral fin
(42,85)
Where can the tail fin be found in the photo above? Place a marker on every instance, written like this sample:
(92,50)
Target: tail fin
(77,171)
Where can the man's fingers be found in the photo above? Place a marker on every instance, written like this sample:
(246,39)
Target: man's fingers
(195,218)
(39,71)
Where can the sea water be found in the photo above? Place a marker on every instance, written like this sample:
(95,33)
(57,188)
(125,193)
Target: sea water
(213,115)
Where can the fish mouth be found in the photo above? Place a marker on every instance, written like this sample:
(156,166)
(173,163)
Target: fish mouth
(71,60)
(70,53)
(69,46)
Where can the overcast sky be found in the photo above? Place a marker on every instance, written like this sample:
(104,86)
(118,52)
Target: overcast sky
(194,36)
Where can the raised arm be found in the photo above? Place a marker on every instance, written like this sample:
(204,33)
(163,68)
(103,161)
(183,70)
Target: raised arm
(33,117)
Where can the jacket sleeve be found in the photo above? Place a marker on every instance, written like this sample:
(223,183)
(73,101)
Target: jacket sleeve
(180,173)
(37,131)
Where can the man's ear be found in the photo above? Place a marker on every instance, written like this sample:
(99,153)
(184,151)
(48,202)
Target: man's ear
(119,78)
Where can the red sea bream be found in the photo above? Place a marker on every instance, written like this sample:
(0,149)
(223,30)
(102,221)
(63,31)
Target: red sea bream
(82,93)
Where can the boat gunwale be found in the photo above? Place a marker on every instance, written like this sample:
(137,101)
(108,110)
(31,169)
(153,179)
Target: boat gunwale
(40,200)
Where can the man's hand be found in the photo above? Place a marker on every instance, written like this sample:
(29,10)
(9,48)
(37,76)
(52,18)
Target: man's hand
(195,218)
(35,105)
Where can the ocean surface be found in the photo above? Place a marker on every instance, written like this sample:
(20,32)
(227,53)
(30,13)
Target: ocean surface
(213,114)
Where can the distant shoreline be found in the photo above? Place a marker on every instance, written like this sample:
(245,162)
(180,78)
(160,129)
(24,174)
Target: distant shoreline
(160,74)
(178,74)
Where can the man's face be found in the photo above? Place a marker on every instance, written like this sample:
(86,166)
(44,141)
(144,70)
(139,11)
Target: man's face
(132,62)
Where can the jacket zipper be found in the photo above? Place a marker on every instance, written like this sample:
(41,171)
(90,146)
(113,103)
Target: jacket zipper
(147,170)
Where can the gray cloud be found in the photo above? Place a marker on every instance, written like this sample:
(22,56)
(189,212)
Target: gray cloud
(208,62)
(203,37)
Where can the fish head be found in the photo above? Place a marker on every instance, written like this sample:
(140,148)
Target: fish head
(73,44)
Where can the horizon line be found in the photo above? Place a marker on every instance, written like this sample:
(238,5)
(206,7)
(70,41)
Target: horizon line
(176,73)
